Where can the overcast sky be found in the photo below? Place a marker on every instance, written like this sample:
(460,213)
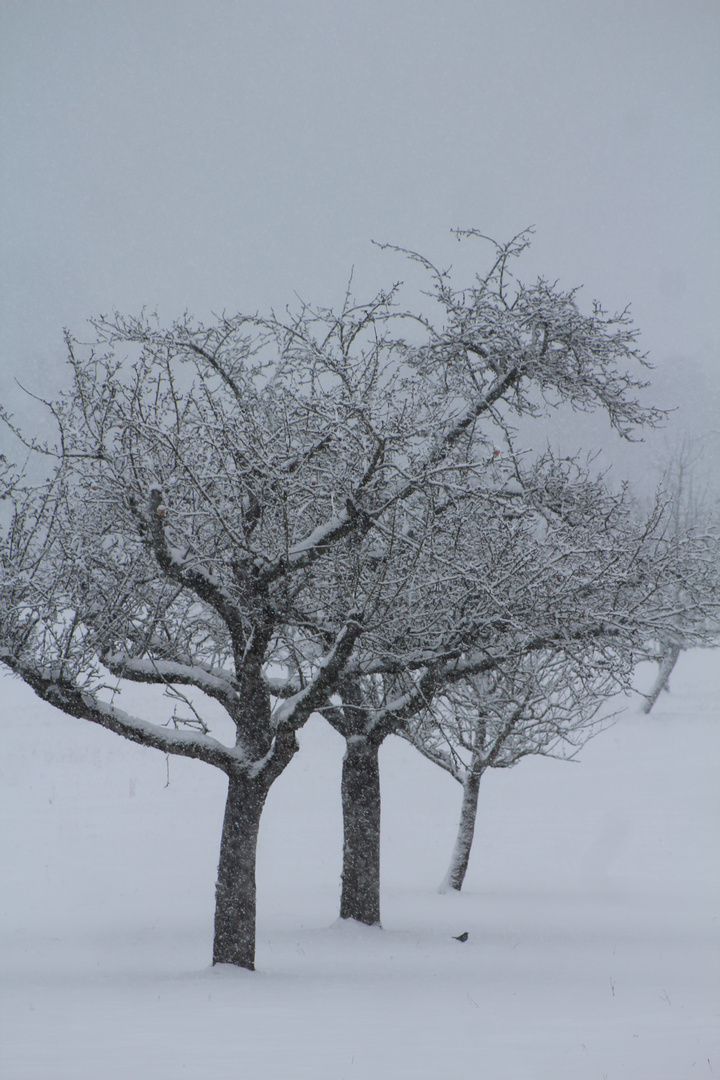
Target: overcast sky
(226,155)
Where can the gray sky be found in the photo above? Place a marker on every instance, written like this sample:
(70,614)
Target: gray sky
(225,155)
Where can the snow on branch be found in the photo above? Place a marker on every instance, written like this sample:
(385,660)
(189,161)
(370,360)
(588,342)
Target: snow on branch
(71,699)
(226,492)
(292,712)
(223,687)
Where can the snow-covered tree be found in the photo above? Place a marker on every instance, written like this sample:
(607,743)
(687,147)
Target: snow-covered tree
(546,702)
(574,583)
(212,525)
(659,581)
(269,513)
(546,353)
(692,509)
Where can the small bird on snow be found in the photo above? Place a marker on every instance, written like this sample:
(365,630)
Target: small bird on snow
(461,937)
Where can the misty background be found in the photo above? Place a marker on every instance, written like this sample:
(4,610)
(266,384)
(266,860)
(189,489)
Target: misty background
(229,156)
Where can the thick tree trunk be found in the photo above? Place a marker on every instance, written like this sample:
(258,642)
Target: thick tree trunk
(235,891)
(360,898)
(466,830)
(666,664)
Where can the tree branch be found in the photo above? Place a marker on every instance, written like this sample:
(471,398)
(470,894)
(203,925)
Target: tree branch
(222,687)
(70,699)
(294,711)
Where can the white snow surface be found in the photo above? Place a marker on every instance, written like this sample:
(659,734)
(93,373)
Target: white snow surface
(591,905)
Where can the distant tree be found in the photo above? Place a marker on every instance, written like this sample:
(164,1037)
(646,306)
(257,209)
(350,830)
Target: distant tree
(692,509)
(539,704)
(661,581)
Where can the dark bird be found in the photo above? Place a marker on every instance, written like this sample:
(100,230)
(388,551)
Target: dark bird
(461,937)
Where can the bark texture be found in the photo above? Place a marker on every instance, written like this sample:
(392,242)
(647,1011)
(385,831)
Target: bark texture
(360,897)
(235,894)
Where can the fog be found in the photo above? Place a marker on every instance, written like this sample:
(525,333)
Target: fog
(230,156)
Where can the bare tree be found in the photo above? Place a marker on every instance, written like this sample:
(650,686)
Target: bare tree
(691,507)
(660,582)
(573,585)
(524,350)
(546,703)
(272,513)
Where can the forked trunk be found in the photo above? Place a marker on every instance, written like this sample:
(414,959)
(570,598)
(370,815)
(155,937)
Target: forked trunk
(234,941)
(466,830)
(360,897)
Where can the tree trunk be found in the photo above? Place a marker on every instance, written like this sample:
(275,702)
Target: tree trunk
(360,898)
(666,663)
(235,890)
(466,831)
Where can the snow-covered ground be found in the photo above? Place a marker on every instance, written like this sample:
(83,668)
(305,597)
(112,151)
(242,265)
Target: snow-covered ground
(591,905)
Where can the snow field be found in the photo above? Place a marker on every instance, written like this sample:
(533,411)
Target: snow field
(591,906)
